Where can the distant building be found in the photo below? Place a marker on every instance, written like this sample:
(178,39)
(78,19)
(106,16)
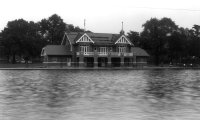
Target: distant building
(94,50)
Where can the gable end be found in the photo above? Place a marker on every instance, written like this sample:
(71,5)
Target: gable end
(123,40)
(85,38)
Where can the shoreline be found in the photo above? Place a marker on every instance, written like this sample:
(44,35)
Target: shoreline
(104,68)
(39,66)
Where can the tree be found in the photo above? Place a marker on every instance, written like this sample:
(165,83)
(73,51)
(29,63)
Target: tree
(177,46)
(134,37)
(195,41)
(52,29)
(155,37)
(71,28)
(196,30)
(26,39)
(21,38)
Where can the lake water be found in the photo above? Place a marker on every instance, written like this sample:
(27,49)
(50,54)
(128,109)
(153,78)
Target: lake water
(100,94)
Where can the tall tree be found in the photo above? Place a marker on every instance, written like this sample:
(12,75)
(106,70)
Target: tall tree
(196,30)
(177,46)
(19,38)
(195,41)
(155,37)
(71,28)
(52,29)
(134,37)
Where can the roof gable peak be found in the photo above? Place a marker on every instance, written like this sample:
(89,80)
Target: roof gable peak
(85,38)
(122,39)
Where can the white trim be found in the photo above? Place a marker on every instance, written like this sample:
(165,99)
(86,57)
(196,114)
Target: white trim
(55,62)
(141,62)
(123,36)
(90,40)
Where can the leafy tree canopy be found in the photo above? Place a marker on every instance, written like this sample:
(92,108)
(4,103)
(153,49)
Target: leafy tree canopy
(52,29)
(21,38)
(134,37)
(155,36)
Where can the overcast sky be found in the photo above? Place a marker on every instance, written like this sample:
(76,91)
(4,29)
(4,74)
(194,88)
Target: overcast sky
(102,16)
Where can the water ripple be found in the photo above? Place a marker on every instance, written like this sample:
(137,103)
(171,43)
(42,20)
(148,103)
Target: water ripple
(100,94)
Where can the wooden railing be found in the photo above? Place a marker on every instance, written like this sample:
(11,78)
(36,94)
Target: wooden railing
(85,53)
(104,54)
(128,54)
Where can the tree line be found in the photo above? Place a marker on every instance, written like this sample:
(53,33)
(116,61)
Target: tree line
(165,41)
(26,39)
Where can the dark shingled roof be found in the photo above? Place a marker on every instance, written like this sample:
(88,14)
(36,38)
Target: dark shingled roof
(56,50)
(139,52)
(98,38)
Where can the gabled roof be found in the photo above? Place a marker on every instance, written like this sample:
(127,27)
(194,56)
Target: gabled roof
(98,38)
(56,50)
(139,52)
(123,39)
(85,38)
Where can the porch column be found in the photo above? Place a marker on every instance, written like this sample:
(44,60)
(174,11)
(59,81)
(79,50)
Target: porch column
(73,61)
(95,61)
(109,59)
(134,61)
(122,60)
(46,60)
(95,58)
(81,60)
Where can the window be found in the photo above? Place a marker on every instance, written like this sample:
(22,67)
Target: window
(103,50)
(122,49)
(84,49)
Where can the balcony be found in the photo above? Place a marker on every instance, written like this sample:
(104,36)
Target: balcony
(104,54)
(85,53)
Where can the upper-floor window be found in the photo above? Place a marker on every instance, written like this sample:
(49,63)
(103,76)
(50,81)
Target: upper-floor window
(84,49)
(103,50)
(122,49)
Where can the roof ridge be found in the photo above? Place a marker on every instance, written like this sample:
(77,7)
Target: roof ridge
(106,33)
(93,33)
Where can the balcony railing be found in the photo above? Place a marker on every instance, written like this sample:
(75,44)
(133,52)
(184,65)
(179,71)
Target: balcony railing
(128,54)
(85,53)
(115,53)
(104,54)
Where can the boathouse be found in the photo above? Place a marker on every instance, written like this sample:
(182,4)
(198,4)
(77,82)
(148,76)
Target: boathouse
(81,49)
